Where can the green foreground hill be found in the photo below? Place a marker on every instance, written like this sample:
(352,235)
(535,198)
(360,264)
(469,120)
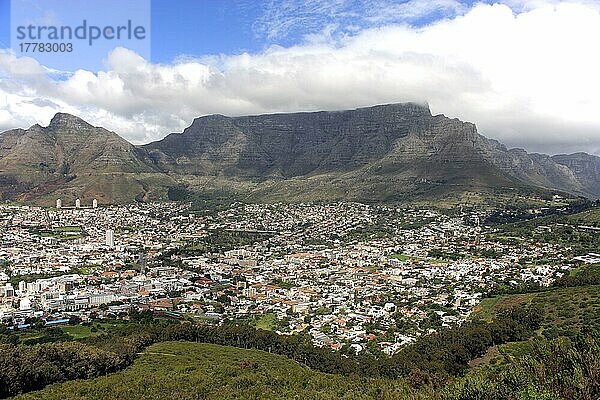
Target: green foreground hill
(184,370)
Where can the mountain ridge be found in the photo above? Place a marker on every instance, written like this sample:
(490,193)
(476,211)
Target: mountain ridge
(382,152)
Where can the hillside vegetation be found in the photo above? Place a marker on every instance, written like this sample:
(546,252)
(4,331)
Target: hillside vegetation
(183,370)
(545,370)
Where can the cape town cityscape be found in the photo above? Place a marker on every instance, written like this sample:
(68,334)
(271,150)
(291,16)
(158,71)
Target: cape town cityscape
(390,199)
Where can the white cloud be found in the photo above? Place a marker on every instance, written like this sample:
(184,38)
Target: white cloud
(527,78)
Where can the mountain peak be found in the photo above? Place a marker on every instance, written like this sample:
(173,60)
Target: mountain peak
(412,109)
(65,120)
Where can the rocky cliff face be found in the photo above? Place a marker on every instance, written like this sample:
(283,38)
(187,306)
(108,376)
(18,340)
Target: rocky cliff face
(402,142)
(287,145)
(385,152)
(585,167)
(290,145)
(86,148)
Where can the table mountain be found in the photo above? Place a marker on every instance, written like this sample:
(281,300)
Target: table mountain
(395,151)
(386,152)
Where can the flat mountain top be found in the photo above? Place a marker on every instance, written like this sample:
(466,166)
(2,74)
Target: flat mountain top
(393,152)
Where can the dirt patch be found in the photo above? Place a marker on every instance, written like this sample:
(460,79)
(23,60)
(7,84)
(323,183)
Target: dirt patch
(484,359)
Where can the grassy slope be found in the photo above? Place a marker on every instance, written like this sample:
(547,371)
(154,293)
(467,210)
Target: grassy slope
(84,331)
(589,217)
(181,370)
(566,310)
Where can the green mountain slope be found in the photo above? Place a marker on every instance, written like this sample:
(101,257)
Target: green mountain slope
(183,370)
(71,159)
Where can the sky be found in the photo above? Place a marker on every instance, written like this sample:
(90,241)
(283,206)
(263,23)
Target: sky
(525,71)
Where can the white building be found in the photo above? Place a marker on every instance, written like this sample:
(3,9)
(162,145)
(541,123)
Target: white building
(110,238)
(8,290)
(25,304)
(77,203)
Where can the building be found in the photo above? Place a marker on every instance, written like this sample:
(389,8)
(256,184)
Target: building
(25,304)
(58,203)
(94,203)
(110,238)
(8,290)
(77,203)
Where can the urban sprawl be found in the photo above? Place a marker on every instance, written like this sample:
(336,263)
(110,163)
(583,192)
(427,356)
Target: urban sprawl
(347,274)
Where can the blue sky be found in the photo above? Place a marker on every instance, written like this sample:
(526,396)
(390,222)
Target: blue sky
(199,28)
(4,23)
(211,27)
(207,27)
